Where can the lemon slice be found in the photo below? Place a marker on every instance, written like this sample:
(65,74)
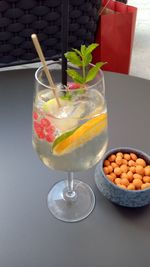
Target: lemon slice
(51,105)
(72,140)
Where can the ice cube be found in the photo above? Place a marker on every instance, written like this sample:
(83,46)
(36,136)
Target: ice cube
(64,112)
(94,103)
(45,95)
(68,117)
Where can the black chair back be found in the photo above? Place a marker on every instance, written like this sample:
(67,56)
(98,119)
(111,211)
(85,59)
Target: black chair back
(20,18)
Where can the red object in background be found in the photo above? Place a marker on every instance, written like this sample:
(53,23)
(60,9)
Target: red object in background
(115,36)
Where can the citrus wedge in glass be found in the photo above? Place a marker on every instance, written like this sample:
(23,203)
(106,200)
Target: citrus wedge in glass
(72,140)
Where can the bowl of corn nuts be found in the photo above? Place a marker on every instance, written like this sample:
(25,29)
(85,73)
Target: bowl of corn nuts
(123,177)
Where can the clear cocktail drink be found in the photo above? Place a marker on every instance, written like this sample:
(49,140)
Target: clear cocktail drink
(74,136)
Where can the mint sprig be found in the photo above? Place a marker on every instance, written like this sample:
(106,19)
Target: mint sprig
(82,58)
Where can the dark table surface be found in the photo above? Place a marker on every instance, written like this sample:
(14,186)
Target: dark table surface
(30,236)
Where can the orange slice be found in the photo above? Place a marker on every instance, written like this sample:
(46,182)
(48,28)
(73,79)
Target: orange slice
(70,141)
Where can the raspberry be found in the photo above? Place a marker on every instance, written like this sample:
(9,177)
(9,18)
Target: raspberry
(73,86)
(36,124)
(37,130)
(44,129)
(50,138)
(41,135)
(45,122)
(35,115)
(37,127)
(50,129)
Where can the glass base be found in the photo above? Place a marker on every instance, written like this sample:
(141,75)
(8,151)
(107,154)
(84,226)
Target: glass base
(74,207)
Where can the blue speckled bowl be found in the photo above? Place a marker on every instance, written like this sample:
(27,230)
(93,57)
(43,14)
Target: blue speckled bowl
(120,196)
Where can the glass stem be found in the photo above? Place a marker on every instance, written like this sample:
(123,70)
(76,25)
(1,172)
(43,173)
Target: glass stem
(70,191)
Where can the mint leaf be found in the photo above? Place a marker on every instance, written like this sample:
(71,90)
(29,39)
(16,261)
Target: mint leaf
(83,50)
(67,96)
(87,60)
(82,58)
(75,76)
(90,48)
(100,64)
(73,58)
(93,71)
(77,51)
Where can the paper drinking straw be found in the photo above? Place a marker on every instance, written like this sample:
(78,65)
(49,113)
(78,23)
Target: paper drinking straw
(64,38)
(47,73)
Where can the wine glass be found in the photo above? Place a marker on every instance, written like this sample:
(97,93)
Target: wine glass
(70,137)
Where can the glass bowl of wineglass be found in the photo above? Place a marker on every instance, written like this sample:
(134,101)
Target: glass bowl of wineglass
(69,136)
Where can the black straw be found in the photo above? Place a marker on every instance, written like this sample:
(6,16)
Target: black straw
(65,30)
